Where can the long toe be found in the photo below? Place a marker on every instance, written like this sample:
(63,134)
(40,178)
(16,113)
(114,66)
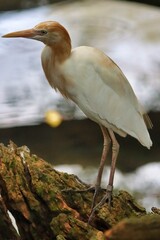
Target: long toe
(89,189)
(96,191)
(106,197)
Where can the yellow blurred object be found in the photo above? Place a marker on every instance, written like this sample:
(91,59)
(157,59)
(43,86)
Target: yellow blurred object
(53,118)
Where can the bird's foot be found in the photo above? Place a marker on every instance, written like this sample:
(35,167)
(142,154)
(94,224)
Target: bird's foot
(89,189)
(107,196)
(97,189)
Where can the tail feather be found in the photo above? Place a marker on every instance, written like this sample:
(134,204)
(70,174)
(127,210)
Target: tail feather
(142,133)
(147,121)
(138,128)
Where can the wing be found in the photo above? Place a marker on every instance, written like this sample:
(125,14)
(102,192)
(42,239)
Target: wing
(104,94)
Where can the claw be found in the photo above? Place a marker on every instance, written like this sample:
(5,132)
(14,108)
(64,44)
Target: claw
(96,191)
(90,189)
(107,196)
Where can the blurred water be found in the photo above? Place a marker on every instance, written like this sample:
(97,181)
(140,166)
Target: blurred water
(143,183)
(129,33)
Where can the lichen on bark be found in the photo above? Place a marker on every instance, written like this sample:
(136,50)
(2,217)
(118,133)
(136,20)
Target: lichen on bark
(45,205)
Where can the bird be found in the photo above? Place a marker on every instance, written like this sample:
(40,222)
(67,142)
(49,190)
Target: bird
(96,84)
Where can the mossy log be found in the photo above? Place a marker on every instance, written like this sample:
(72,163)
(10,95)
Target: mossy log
(35,195)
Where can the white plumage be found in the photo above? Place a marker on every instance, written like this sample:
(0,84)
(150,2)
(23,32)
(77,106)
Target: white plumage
(97,85)
(100,89)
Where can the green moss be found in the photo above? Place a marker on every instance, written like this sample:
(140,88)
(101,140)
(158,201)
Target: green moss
(60,237)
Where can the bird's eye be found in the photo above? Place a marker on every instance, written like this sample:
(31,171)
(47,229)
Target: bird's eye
(43,32)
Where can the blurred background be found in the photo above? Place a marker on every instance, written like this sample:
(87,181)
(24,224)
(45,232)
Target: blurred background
(32,114)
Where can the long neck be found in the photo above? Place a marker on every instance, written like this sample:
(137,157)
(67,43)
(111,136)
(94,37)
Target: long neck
(61,46)
(52,57)
(61,51)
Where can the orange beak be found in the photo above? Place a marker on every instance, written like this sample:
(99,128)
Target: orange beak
(29,33)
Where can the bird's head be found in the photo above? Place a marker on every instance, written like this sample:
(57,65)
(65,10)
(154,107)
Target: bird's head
(49,32)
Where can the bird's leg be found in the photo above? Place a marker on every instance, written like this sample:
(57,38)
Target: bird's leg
(108,195)
(115,151)
(106,146)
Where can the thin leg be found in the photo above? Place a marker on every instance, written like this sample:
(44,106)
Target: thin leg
(106,146)
(108,195)
(115,151)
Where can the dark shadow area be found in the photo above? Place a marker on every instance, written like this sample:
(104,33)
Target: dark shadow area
(80,142)
(154,2)
(23,4)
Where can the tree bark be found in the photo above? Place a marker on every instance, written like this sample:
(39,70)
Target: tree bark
(48,204)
